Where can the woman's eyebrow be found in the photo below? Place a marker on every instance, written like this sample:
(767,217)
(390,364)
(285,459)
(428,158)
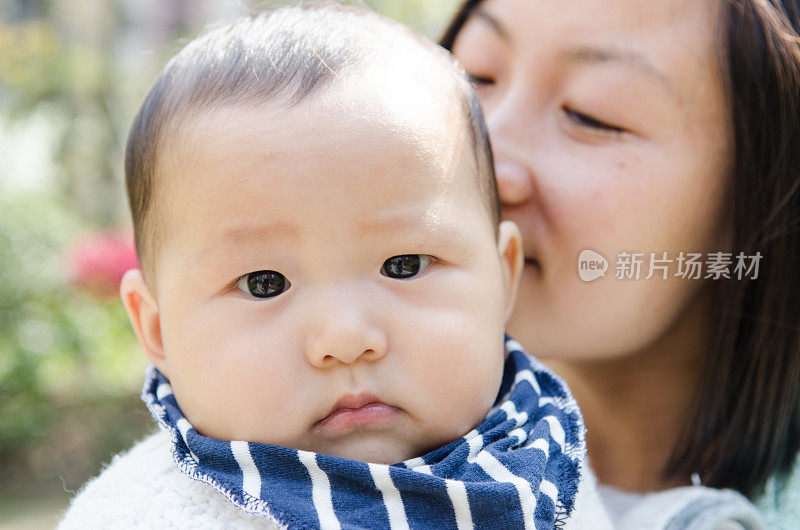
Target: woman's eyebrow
(630,58)
(493,23)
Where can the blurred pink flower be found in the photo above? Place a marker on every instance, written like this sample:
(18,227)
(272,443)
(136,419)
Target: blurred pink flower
(98,261)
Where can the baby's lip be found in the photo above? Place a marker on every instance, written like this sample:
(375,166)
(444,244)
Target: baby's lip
(355,409)
(352,401)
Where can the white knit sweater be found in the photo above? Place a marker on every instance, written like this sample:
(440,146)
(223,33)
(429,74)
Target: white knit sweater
(144,489)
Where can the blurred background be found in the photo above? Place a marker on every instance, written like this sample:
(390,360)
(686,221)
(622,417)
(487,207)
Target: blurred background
(72,74)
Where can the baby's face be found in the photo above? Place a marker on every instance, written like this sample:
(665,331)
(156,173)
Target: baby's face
(331,280)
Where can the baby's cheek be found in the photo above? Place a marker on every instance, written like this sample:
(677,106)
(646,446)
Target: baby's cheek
(245,398)
(463,409)
(462,390)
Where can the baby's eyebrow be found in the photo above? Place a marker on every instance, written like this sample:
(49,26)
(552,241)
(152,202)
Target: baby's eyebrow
(421,226)
(390,221)
(246,231)
(237,234)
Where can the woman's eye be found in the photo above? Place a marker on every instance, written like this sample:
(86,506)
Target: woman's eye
(480,80)
(587,121)
(405,266)
(263,284)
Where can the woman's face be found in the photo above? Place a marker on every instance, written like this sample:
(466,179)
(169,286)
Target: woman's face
(610,128)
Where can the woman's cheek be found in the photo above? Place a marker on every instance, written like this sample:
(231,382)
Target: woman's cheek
(612,215)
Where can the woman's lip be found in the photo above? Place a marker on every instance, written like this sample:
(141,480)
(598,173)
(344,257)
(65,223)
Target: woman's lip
(343,419)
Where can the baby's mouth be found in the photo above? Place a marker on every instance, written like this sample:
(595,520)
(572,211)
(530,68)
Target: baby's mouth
(356,410)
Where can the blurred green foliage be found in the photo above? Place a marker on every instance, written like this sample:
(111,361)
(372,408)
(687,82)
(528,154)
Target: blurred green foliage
(60,347)
(29,63)
(63,351)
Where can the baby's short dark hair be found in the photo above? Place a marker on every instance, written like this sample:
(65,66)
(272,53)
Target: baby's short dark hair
(281,56)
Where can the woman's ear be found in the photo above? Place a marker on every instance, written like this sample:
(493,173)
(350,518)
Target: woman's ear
(143,314)
(509,245)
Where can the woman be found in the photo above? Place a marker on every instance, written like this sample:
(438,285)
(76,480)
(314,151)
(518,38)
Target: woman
(650,132)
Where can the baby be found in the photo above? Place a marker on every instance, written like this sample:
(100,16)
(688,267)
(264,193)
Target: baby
(324,288)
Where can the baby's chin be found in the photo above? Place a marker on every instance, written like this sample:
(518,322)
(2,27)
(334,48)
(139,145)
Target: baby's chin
(365,446)
(373,449)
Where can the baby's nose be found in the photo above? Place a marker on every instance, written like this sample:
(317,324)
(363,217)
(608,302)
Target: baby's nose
(344,338)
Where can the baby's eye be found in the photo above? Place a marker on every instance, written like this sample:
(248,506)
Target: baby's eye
(263,284)
(405,266)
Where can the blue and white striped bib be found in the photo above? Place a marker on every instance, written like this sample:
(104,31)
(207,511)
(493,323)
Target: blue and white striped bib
(518,469)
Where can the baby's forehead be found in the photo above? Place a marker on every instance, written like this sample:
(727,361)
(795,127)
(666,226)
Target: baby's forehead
(428,112)
(385,107)
(355,132)
(323,167)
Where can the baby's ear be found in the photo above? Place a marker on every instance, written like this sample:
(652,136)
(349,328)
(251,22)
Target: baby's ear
(143,314)
(509,245)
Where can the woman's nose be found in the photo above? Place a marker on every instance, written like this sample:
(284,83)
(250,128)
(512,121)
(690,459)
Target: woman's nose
(344,336)
(508,121)
(513,182)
